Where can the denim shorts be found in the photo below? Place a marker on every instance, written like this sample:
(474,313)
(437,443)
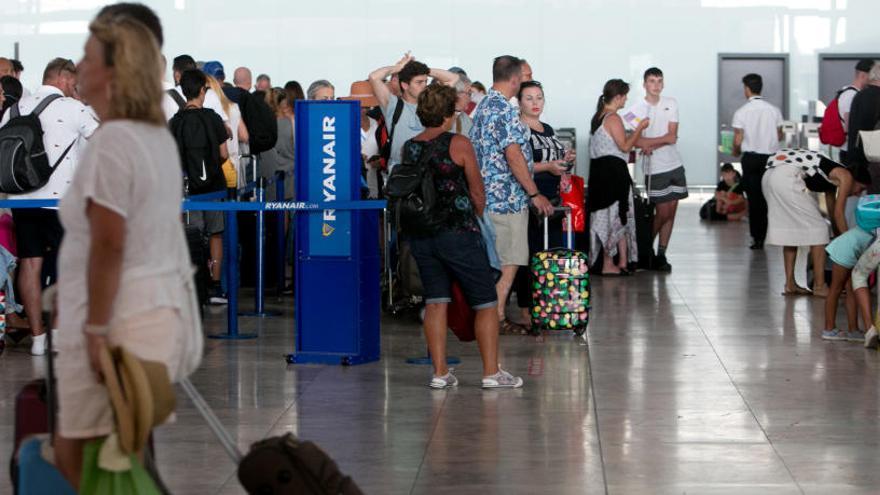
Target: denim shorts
(455,255)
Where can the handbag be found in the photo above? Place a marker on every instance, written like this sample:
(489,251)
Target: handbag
(571,191)
(460,317)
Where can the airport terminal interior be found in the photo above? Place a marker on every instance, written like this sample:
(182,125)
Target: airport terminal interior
(703,381)
(708,378)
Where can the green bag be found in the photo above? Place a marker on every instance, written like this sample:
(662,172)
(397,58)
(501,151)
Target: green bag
(97,481)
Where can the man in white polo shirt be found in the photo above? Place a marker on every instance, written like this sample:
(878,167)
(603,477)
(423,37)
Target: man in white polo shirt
(663,166)
(66,124)
(757,128)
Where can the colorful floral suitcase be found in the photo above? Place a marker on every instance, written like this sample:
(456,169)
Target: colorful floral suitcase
(560,287)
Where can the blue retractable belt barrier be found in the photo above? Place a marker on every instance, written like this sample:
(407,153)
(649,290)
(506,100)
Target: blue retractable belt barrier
(210,202)
(259,282)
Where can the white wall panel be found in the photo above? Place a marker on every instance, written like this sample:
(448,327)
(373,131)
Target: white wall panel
(573,45)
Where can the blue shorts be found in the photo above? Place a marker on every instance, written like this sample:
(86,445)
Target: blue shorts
(455,255)
(846,249)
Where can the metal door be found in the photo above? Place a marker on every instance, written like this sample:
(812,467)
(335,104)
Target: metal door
(836,71)
(773,68)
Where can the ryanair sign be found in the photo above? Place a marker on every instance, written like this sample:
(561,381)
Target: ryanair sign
(330,146)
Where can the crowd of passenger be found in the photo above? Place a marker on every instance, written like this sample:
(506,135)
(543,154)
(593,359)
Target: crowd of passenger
(118,138)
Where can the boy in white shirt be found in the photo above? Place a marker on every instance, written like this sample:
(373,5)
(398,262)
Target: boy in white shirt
(663,166)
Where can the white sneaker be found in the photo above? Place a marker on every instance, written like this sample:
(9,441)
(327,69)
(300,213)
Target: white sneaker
(38,346)
(502,379)
(871,338)
(446,381)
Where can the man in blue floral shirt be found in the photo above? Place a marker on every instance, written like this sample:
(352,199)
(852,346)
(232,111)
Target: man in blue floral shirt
(501,142)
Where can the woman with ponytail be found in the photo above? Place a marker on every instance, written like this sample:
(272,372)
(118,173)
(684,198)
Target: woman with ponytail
(609,187)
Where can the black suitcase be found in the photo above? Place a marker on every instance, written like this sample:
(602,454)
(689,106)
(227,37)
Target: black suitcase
(247,240)
(198,253)
(644,214)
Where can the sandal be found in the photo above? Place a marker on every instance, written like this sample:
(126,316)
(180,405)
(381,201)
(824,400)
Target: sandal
(798,291)
(508,327)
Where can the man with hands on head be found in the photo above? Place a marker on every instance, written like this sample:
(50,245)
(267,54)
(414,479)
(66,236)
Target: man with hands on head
(413,79)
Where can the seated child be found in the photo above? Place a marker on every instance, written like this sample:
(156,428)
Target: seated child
(845,251)
(729,203)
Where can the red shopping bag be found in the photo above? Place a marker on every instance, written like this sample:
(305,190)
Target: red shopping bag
(571,191)
(460,317)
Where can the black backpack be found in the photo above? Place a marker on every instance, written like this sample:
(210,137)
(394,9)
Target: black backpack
(261,124)
(199,151)
(24,166)
(414,198)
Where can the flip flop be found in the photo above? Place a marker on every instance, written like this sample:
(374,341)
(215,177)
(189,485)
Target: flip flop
(508,327)
(798,291)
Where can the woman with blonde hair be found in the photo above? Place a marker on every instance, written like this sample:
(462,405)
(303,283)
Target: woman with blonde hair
(124,269)
(236,124)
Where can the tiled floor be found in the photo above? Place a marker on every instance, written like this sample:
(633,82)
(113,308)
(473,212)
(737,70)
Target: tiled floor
(705,381)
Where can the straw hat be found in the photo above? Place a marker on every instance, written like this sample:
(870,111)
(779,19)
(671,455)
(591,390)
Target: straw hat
(362,91)
(140,393)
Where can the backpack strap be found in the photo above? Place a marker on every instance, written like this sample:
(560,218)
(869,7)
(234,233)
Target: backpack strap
(398,110)
(45,103)
(837,97)
(176,97)
(69,146)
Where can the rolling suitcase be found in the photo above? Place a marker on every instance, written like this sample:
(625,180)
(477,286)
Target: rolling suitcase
(35,410)
(199,256)
(644,214)
(282,465)
(35,474)
(34,422)
(560,287)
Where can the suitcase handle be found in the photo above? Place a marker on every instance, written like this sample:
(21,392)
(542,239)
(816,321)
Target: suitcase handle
(213,422)
(568,239)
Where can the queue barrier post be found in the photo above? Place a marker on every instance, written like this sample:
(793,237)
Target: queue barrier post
(231,265)
(259,283)
(280,238)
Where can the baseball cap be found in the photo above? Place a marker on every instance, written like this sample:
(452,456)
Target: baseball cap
(214,69)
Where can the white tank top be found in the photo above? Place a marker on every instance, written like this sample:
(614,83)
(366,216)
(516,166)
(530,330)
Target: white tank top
(602,144)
